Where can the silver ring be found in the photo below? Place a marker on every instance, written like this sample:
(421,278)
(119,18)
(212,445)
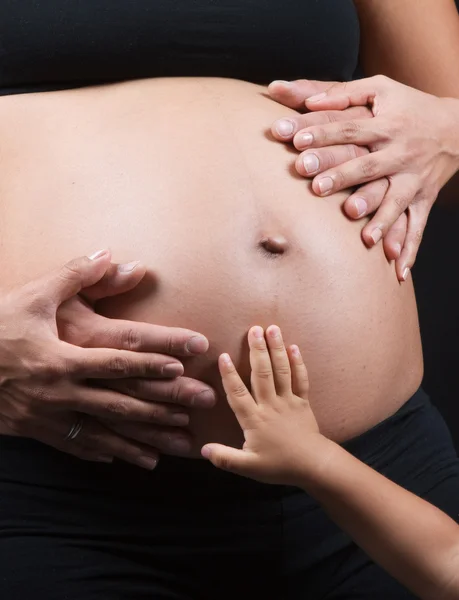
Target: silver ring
(75,429)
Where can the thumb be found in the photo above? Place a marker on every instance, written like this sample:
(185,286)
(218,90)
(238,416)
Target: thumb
(343,95)
(228,459)
(65,282)
(118,279)
(294,93)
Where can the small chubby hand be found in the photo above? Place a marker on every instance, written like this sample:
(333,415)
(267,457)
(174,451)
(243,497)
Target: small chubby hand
(282,439)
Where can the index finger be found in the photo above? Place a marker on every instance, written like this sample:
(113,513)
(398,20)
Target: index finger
(145,337)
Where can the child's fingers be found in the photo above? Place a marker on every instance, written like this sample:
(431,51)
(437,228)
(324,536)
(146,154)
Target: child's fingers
(239,397)
(228,459)
(262,378)
(279,360)
(300,379)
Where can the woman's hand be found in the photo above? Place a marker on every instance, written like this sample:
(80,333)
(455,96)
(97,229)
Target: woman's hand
(294,94)
(46,384)
(282,440)
(414,141)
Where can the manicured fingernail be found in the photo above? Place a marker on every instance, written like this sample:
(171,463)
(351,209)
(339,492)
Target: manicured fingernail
(198,344)
(281,81)
(397,250)
(147,462)
(303,140)
(274,331)
(105,458)
(180,419)
(257,332)
(172,370)
(311,163)
(376,235)
(284,127)
(361,206)
(128,267)
(316,97)
(205,399)
(98,254)
(325,185)
(406,272)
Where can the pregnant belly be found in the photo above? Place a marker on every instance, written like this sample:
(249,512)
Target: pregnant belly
(182,174)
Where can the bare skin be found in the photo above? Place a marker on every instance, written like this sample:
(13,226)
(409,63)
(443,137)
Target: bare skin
(184,175)
(413,540)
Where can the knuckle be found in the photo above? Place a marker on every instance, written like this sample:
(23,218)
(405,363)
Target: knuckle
(283,370)
(131,340)
(349,130)
(238,390)
(117,365)
(401,202)
(370,167)
(263,373)
(117,408)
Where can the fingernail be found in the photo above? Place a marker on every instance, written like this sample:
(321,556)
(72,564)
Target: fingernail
(285,128)
(172,370)
(257,332)
(198,344)
(274,331)
(376,235)
(98,254)
(325,185)
(226,359)
(128,267)
(295,351)
(147,462)
(205,399)
(397,250)
(311,163)
(180,446)
(281,81)
(303,140)
(205,452)
(316,97)
(105,458)
(361,206)
(180,419)
(406,272)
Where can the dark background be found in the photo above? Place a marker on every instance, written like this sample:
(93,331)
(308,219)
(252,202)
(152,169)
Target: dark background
(436,277)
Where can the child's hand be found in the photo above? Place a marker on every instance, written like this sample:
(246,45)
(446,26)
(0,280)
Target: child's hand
(282,440)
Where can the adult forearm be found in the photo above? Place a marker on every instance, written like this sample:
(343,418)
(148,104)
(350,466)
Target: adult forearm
(413,540)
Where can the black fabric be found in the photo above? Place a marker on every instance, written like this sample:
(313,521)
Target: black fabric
(71,530)
(46,44)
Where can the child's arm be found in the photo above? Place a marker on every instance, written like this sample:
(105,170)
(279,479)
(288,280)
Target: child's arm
(414,541)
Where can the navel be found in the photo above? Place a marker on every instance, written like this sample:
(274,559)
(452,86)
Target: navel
(274,244)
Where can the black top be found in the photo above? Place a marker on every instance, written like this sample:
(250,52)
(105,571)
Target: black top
(50,44)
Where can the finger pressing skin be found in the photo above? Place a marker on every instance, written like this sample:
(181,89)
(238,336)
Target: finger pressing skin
(118,279)
(294,93)
(402,190)
(417,220)
(366,168)
(262,377)
(290,128)
(168,440)
(300,378)
(229,459)
(239,398)
(366,199)
(113,406)
(102,363)
(395,238)
(279,360)
(182,391)
(144,337)
(319,160)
